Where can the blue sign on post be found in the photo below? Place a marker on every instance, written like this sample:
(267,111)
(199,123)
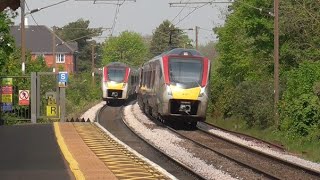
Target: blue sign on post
(6,107)
(63,79)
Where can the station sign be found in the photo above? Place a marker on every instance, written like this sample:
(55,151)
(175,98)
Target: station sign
(6,98)
(6,94)
(24,97)
(6,90)
(6,107)
(63,79)
(52,111)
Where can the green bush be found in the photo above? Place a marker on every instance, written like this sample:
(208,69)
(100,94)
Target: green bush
(300,105)
(251,101)
(81,92)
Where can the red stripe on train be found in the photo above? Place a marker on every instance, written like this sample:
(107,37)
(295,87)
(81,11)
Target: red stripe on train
(126,78)
(166,69)
(105,74)
(205,72)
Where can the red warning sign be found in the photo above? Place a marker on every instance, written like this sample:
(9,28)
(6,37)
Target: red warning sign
(24,97)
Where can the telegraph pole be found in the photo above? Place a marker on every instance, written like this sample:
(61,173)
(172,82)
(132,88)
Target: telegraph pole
(197,33)
(23,37)
(92,63)
(276,61)
(54,49)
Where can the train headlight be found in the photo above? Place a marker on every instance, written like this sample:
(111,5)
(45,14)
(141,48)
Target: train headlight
(202,91)
(169,90)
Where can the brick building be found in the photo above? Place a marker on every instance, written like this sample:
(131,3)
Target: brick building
(39,43)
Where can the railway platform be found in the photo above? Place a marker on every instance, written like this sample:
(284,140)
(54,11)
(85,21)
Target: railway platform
(74,150)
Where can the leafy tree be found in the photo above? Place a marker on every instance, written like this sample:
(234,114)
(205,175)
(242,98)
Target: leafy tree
(6,40)
(208,50)
(80,32)
(300,30)
(128,48)
(243,81)
(300,106)
(166,37)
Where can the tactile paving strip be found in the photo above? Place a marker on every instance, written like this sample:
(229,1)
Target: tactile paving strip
(123,163)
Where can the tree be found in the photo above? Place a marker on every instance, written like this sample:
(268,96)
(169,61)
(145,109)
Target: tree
(241,84)
(128,48)
(6,40)
(166,37)
(80,32)
(208,50)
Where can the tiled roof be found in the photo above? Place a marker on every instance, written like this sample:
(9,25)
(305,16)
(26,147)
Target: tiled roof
(39,40)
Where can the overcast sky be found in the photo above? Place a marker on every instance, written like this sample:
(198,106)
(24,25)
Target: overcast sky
(142,16)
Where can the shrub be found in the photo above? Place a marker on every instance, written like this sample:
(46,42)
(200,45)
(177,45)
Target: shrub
(300,105)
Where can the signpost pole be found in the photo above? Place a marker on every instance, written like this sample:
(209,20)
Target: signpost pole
(63,104)
(33,97)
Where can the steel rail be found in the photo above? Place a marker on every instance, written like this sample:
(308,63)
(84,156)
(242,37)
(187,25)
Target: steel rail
(274,158)
(186,168)
(246,165)
(242,135)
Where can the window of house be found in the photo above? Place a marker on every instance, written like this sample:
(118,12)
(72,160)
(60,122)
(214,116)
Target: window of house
(60,58)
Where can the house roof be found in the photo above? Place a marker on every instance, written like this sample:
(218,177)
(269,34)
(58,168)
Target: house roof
(39,40)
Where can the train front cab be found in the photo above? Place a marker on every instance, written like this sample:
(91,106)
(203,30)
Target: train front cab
(185,95)
(115,84)
(176,86)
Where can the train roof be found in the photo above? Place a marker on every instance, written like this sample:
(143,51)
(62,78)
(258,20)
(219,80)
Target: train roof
(117,64)
(182,51)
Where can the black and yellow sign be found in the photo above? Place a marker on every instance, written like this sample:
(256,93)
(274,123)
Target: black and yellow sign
(6,98)
(52,111)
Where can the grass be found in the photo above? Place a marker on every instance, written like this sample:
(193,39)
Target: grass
(301,147)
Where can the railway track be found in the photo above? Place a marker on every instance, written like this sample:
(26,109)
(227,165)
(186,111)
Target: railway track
(207,126)
(263,165)
(115,126)
(190,170)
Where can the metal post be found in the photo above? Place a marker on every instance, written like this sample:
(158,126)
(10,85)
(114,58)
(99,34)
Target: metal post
(54,65)
(23,37)
(62,103)
(276,61)
(92,65)
(197,32)
(38,104)
(33,97)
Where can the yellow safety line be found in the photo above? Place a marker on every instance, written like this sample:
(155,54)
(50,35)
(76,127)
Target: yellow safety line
(67,155)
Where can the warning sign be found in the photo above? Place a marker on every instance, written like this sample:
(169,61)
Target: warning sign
(52,110)
(24,98)
(6,90)
(6,98)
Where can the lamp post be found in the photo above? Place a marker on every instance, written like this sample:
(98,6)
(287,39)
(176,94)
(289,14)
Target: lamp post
(276,61)
(23,37)
(171,32)
(197,32)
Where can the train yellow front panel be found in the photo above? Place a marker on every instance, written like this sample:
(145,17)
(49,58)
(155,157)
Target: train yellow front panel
(180,93)
(115,86)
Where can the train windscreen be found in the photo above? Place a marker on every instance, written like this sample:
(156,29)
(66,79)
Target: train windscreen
(116,74)
(185,71)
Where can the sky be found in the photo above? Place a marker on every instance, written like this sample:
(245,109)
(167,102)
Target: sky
(142,16)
